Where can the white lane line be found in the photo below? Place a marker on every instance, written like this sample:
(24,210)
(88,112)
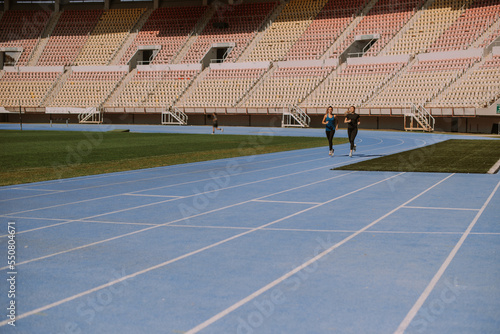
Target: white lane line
(494,168)
(117,223)
(189,196)
(485,233)
(438,208)
(369,145)
(66,221)
(279,280)
(34,218)
(81,294)
(236,174)
(352,231)
(168,223)
(383,147)
(73,203)
(29,189)
(41,227)
(171,185)
(146,195)
(285,202)
(211,227)
(151,178)
(423,297)
(414,232)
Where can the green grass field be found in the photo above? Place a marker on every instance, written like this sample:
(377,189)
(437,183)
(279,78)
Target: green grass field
(31,156)
(451,156)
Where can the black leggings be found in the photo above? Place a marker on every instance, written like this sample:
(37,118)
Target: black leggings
(329,135)
(352,133)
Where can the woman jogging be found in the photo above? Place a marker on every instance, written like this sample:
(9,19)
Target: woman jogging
(331,125)
(352,120)
(215,124)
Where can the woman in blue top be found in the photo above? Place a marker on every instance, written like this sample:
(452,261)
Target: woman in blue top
(331,125)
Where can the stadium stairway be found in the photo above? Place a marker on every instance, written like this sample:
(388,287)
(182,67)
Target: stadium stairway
(191,88)
(425,79)
(115,60)
(108,36)
(342,86)
(119,85)
(435,19)
(452,86)
(390,82)
(315,88)
(250,89)
(194,35)
(322,85)
(242,24)
(404,29)
(476,88)
(52,94)
(495,27)
(256,86)
(333,51)
(119,88)
(473,22)
(325,29)
(44,39)
(261,32)
(140,21)
(49,91)
(285,30)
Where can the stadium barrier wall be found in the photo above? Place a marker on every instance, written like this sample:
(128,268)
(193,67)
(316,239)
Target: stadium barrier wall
(482,124)
(36,69)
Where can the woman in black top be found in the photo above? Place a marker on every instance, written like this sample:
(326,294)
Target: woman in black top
(352,120)
(215,124)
